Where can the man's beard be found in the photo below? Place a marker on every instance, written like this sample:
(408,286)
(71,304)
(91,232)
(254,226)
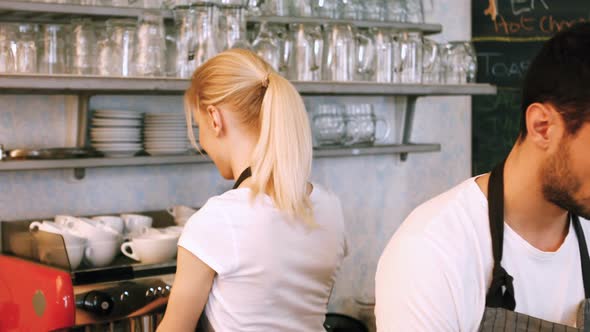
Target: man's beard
(560,185)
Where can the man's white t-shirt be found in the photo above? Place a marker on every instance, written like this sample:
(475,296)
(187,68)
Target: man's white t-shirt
(435,272)
(273,273)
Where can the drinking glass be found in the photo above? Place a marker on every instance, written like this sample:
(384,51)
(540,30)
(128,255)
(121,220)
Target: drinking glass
(285,42)
(415,11)
(308,52)
(255,7)
(396,11)
(385,48)
(328,124)
(410,57)
(301,8)
(366,54)
(123,33)
(267,46)
(184,20)
(460,62)
(150,45)
(52,49)
(232,27)
(109,55)
(83,48)
(7,37)
(26,49)
(374,10)
(432,67)
(276,7)
(206,31)
(325,8)
(350,9)
(361,125)
(339,53)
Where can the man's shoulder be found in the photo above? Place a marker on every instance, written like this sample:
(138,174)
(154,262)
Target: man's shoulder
(460,207)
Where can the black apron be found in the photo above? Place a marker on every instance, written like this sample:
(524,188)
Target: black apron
(245,174)
(499,314)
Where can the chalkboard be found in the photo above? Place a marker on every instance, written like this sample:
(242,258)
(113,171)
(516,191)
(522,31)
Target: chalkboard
(507,34)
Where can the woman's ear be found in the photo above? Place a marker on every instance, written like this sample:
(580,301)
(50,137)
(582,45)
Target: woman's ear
(215,119)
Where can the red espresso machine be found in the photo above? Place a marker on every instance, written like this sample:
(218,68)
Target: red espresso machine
(49,296)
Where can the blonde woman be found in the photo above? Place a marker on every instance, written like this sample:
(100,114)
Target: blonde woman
(263,256)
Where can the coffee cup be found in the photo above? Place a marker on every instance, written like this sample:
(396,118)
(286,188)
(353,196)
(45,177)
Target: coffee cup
(53,254)
(134,223)
(181,213)
(89,229)
(151,249)
(113,222)
(101,252)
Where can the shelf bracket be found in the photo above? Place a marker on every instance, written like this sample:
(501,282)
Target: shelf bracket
(83,105)
(408,123)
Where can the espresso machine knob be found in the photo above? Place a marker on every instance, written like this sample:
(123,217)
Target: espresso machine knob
(96,302)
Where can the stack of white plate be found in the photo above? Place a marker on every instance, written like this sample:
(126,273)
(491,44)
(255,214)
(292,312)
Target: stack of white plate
(116,133)
(165,134)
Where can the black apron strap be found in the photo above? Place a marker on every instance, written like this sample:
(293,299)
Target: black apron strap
(501,291)
(585,259)
(245,174)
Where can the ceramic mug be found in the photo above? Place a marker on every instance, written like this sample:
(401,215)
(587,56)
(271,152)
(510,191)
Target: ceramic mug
(134,223)
(53,255)
(115,223)
(181,213)
(91,230)
(100,252)
(151,249)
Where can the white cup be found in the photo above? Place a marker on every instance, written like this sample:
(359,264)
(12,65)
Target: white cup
(101,252)
(134,223)
(63,219)
(91,230)
(115,223)
(151,249)
(181,213)
(74,245)
(174,230)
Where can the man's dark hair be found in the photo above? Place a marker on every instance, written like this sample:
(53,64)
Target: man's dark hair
(560,75)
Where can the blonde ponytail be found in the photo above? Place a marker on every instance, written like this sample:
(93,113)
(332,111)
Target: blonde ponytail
(269,105)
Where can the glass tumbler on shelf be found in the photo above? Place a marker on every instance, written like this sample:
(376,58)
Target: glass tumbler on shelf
(373,10)
(53,49)
(7,38)
(308,49)
(339,53)
(254,7)
(385,47)
(432,67)
(325,8)
(83,48)
(184,21)
(301,8)
(206,31)
(26,49)
(267,46)
(396,11)
(361,125)
(414,11)
(328,125)
(350,9)
(123,33)
(150,49)
(276,7)
(232,27)
(109,55)
(285,42)
(410,58)
(366,55)
(460,62)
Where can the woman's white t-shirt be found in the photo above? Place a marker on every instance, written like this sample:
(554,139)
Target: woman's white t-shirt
(273,273)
